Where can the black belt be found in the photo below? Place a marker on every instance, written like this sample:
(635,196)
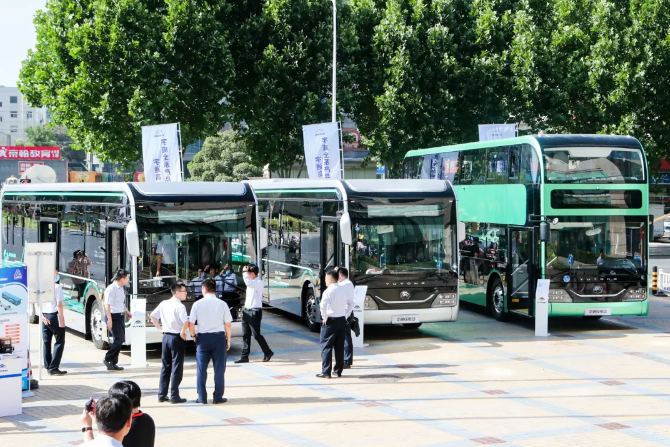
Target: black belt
(118,313)
(49,313)
(171,333)
(253,308)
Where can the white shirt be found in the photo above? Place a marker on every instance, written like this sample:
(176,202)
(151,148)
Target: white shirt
(255,287)
(172,315)
(115,296)
(167,247)
(349,287)
(104,440)
(210,313)
(336,302)
(51,307)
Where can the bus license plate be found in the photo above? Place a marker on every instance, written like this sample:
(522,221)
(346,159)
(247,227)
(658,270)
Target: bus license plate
(598,311)
(402,319)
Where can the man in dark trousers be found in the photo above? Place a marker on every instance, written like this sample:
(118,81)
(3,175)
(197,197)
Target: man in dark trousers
(212,340)
(115,309)
(343,281)
(335,305)
(53,325)
(173,324)
(253,313)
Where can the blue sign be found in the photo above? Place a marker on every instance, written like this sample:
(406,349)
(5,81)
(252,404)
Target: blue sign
(637,257)
(566,278)
(439,264)
(381,169)
(571,260)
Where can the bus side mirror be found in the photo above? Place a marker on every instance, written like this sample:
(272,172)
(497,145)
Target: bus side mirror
(460,231)
(133,239)
(345,229)
(264,238)
(544,232)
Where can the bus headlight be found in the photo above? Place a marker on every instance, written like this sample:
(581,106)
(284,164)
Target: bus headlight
(559,296)
(370,303)
(639,294)
(445,300)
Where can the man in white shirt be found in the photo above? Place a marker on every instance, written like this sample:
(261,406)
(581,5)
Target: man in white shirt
(53,325)
(252,315)
(166,253)
(212,340)
(115,309)
(343,280)
(335,305)
(171,319)
(113,416)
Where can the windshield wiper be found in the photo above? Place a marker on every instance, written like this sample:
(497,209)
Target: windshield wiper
(365,278)
(439,275)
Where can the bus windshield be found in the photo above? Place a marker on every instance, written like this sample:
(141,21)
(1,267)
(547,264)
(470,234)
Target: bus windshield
(193,240)
(401,239)
(593,165)
(615,243)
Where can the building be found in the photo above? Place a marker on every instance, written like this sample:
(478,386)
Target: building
(16,114)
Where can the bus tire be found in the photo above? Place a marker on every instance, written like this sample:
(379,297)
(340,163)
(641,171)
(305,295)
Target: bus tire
(496,300)
(97,325)
(412,325)
(312,311)
(592,317)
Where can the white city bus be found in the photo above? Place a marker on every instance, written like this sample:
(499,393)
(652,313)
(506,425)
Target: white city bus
(120,225)
(397,237)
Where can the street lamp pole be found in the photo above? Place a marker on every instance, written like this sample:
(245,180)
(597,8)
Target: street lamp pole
(334,60)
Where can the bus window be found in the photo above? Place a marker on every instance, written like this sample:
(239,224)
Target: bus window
(496,172)
(514,163)
(472,168)
(412,167)
(530,165)
(448,166)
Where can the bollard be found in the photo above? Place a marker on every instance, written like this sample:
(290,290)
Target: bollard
(654,280)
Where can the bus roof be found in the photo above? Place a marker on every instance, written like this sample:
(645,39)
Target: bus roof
(542,141)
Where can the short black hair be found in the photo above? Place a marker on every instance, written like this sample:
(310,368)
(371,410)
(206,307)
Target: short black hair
(128,388)
(333,274)
(343,272)
(120,274)
(112,412)
(176,287)
(209,285)
(253,269)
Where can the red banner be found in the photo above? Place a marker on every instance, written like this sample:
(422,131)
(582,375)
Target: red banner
(29,153)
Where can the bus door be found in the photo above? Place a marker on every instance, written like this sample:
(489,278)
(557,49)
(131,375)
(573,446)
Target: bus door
(329,245)
(265,241)
(520,271)
(115,250)
(49,231)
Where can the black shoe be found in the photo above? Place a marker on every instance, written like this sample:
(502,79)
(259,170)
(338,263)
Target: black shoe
(109,366)
(347,366)
(268,357)
(242,360)
(118,368)
(57,372)
(178,400)
(223,400)
(323,376)
(162,399)
(338,374)
(198,401)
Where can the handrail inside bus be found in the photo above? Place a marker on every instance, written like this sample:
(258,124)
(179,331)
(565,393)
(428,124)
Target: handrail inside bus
(77,277)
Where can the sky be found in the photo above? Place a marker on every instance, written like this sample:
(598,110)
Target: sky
(17,35)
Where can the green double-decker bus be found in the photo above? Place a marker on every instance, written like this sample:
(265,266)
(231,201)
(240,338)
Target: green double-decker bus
(569,208)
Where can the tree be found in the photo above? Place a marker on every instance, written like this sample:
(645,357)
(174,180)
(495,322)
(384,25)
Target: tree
(40,136)
(282,51)
(108,67)
(426,73)
(223,158)
(67,149)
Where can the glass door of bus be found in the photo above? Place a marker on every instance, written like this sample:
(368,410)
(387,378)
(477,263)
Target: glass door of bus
(49,231)
(520,279)
(329,245)
(115,251)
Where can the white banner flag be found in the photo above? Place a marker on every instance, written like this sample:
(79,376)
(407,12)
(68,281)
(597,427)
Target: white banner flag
(161,153)
(496,131)
(322,150)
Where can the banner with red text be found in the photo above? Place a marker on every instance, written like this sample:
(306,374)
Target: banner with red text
(29,153)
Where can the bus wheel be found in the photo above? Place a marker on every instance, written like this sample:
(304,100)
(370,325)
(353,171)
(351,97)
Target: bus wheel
(412,325)
(592,317)
(312,312)
(497,300)
(97,326)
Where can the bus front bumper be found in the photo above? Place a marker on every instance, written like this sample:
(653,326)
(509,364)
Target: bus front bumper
(579,309)
(432,315)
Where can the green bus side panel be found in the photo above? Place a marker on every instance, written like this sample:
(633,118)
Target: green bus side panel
(503,204)
(472,294)
(578,309)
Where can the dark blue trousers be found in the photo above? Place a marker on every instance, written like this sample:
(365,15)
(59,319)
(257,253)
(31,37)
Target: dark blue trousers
(119,334)
(211,346)
(173,365)
(348,344)
(332,337)
(49,331)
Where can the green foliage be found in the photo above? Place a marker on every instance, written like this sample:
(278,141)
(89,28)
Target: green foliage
(223,158)
(106,68)
(40,136)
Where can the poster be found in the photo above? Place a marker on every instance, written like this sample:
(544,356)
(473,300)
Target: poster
(161,153)
(496,131)
(322,150)
(13,291)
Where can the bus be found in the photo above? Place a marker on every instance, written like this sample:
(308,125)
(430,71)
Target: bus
(569,208)
(398,238)
(196,227)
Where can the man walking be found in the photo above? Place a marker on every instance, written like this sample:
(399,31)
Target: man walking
(53,325)
(170,317)
(212,340)
(343,281)
(252,315)
(335,305)
(115,308)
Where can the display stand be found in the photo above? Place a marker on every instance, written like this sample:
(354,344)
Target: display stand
(138,334)
(10,385)
(542,308)
(359,312)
